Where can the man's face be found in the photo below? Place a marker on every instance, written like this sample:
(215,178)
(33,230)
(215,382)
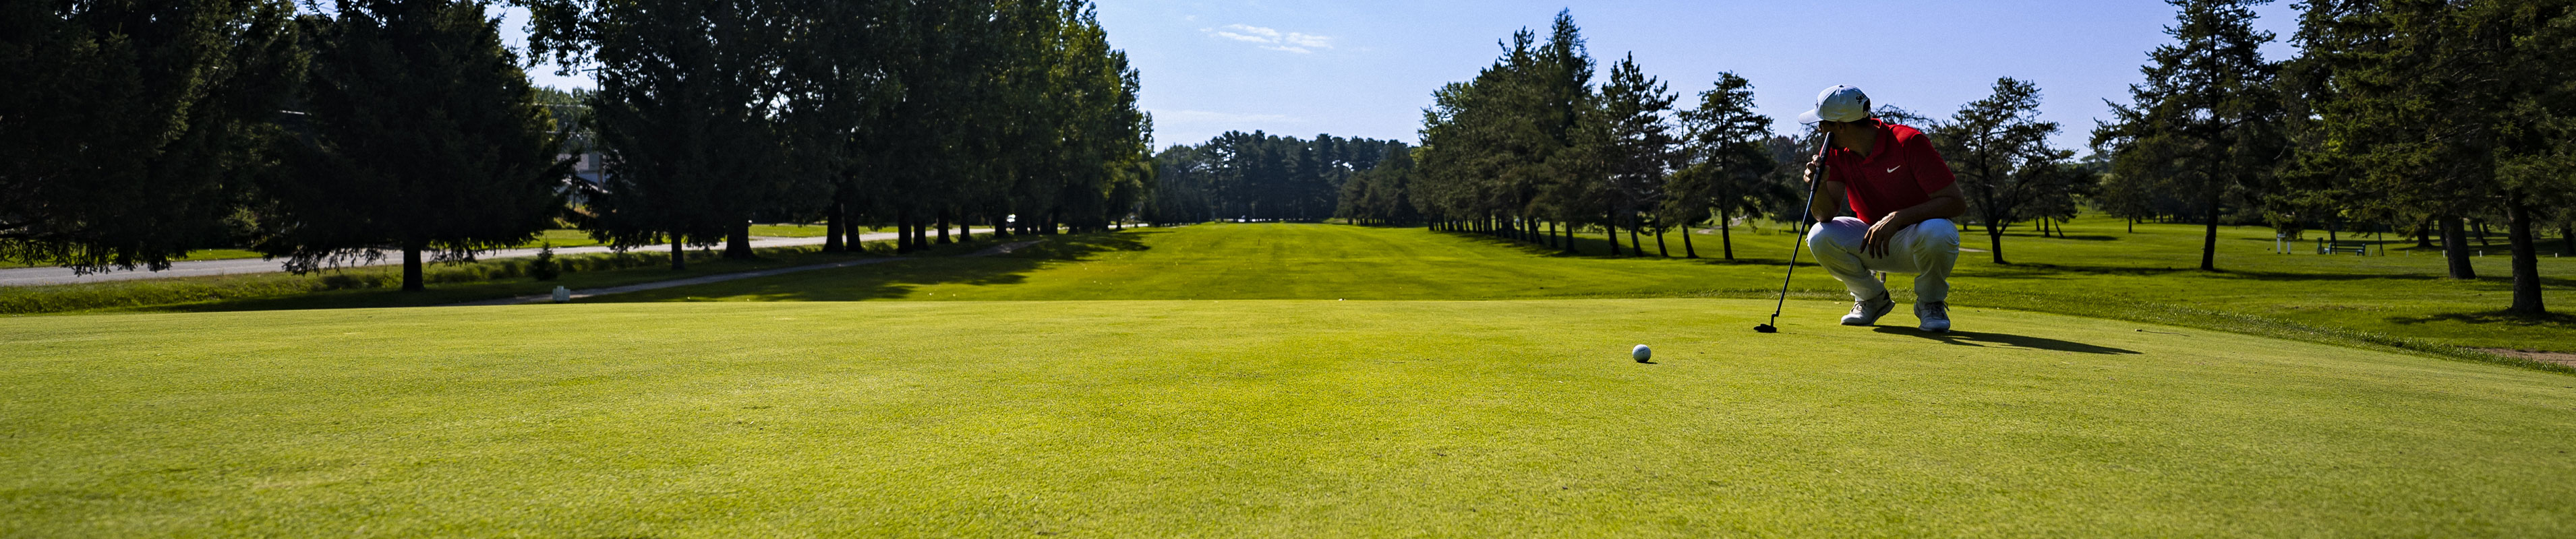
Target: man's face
(1840,130)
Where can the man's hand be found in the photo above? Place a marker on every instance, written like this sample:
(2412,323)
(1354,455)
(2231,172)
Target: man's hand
(1813,163)
(1874,243)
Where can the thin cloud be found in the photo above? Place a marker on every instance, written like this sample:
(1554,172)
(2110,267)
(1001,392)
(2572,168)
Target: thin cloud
(1272,39)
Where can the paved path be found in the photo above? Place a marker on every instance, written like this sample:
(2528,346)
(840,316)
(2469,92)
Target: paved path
(718,278)
(201,268)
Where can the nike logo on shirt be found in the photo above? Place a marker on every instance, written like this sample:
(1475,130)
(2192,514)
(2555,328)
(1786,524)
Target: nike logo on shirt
(1892,170)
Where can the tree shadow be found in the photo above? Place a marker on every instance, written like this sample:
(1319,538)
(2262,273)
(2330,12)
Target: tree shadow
(2551,320)
(898,279)
(1710,250)
(2003,340)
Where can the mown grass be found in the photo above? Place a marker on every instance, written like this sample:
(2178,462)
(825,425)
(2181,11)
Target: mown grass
(2393,301)
(1249,418)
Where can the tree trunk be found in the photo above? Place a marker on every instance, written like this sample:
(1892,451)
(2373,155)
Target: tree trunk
(2208,239)
(1726,233)
(411,267)
(2482,234)
(903,232)
(2455,247)
(1995,241)
(679,254)
(1687,250)
(832,228)
(738,244)
(2133,225)
(2567,237)
(1660,249)
(1612,230)
(2424,234)
(943,227)
(2526,258)
(1635,246)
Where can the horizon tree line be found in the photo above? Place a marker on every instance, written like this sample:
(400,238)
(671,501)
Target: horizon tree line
(328,132)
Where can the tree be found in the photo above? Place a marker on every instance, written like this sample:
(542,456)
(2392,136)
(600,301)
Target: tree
(421,135)
(1728,166)
(2458,109)
(2205,121)
(1627,136)
(687,93)
(1998,147)
(129,128)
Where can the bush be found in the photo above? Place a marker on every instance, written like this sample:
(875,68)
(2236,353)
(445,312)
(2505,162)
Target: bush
(543,266)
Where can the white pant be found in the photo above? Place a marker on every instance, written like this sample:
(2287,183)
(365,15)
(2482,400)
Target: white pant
(1927,250)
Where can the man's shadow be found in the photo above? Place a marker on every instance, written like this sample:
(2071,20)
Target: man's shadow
(1973,338)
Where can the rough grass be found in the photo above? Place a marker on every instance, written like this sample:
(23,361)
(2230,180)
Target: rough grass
(1249,418)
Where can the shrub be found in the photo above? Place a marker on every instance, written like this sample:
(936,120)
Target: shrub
(543,266)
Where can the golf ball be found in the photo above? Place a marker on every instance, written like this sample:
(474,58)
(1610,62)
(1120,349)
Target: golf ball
(1642,353)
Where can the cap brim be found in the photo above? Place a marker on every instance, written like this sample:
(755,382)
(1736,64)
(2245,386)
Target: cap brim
(1809,117)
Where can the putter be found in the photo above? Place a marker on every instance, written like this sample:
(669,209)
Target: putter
(1805,210)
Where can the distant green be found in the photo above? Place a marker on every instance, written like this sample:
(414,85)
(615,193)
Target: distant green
(2099,269)
(1249,418)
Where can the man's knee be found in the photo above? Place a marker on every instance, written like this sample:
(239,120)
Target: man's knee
(1938,233)
(1832,235)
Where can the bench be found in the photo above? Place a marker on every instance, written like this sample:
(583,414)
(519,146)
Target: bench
(2341,247)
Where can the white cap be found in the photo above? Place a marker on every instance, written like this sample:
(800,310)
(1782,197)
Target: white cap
(1841,103)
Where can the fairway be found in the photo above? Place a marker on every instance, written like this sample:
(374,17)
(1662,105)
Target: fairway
(1260,418)
(1300,379)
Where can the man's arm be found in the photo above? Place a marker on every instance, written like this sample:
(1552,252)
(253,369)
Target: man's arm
(1945,203)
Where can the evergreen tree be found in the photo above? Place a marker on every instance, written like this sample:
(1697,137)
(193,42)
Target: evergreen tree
(1729,169)
(2458,109)
(1633,144)
(129,129)
(1998,147)
(685,112)
(2205,121)
(422,136)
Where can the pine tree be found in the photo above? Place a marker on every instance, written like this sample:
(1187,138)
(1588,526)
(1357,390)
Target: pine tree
(1998,147)
(128,129)
(1729,167)
(2206,120)
(422,136)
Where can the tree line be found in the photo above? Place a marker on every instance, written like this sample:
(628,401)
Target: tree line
(2434,116)
(1265,177)
(2423,116)
(137,131)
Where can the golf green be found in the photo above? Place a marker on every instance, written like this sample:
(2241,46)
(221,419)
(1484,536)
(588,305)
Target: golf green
(1250,418)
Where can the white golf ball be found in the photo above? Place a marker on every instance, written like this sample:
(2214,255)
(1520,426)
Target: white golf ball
(1643,353)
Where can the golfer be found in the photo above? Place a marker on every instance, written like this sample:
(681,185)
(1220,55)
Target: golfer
(1903,196)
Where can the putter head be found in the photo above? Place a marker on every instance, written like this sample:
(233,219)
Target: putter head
(1765,328)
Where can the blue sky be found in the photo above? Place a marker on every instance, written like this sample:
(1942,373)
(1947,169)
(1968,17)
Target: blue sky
(1367,68)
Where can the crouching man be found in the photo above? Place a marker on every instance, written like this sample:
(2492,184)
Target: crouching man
(1904,196)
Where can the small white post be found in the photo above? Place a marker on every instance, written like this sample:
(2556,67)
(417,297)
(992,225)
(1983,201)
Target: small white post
(562,295)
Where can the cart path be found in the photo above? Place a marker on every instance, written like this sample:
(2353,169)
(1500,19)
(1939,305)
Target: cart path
(718,278)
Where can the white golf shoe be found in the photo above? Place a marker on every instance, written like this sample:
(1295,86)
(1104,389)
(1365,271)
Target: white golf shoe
(1935,316)
(1867,311)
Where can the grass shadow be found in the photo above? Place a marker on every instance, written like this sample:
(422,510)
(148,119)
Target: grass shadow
(2004,340)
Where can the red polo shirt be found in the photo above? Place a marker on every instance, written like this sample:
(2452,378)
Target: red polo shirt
(1902,171)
